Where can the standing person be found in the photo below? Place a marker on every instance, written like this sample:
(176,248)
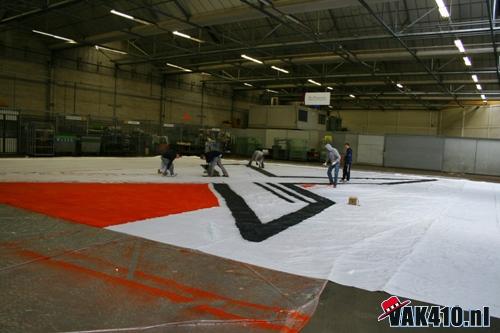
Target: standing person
(258,158)
(346,171)
(213,158)
(167,162)
(333,162)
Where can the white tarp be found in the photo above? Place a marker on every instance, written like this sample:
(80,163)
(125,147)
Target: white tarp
(437,242)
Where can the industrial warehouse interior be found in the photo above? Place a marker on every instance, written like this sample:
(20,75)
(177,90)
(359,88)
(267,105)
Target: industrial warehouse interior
(218,166)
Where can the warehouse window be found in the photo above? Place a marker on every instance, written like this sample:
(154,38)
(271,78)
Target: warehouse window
(303,115)
(321,119)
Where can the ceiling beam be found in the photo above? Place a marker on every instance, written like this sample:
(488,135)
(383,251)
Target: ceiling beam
(414,55)
(491,14)
(216,17)
(328,58)
(38,11)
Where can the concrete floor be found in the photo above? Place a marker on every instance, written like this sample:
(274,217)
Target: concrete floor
(347,309)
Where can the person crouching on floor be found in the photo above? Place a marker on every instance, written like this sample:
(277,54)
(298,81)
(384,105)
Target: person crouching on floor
(346,171)
(167,162)
(214,158)
(258,158)
(333,162)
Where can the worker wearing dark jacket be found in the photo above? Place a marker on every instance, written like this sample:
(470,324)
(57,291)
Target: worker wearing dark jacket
(346,171)
(213,158)
(167,162)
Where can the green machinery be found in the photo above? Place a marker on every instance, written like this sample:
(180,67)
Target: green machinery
(281,149)
(246,146)
(65,144)
(290,149)
(298,150)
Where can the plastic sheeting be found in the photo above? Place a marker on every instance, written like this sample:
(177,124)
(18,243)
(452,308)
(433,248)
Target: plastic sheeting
(67,277)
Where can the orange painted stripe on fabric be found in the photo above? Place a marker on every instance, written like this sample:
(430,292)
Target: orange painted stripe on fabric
(106,204)
(195,292)
(103,276)
(203,293)
(266,324)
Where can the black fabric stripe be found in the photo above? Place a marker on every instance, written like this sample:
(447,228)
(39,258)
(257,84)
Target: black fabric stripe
(275,193)
(292,194)
(410,182)
(262,171)
(252,229)
(400,181)
(304,192)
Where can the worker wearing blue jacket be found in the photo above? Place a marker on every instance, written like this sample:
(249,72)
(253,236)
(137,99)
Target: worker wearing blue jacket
(346,171)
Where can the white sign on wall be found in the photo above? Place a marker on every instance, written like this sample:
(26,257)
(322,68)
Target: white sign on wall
(317,98)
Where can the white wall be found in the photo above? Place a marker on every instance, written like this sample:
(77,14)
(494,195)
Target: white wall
(473,121)
(391,122)
(284,117)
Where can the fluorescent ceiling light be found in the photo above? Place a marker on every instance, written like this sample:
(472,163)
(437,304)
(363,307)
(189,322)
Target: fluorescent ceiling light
(130,17)
(280,69)
(251,59)
(112,11)
(483,97)
(68,40)
(478,86)
(352,96)
(467,61)
(248,84)
(442,8)
(205,73)
(180,34)
(399,85)
(272,91)
(329,88)
(459,45)
(474,78)
(179,67)
(97,47)
(314,82)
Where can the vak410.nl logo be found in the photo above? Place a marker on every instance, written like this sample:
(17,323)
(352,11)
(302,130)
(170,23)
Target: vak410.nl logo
(402,314)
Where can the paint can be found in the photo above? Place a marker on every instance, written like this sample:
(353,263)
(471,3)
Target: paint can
(353,201)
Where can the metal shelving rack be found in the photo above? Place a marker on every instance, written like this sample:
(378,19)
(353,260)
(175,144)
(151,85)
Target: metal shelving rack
(9,132)
(40,139)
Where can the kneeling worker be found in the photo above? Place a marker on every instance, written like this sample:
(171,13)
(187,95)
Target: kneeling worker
(213,158)
(167,162)
(258,158)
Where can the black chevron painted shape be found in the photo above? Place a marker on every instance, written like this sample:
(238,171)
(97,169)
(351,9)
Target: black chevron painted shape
(250,226)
